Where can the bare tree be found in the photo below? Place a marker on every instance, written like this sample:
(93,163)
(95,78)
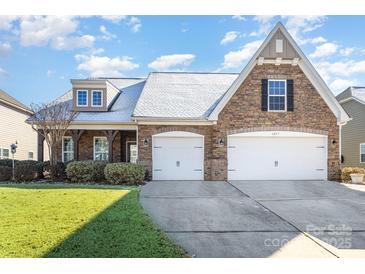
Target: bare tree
(52,121)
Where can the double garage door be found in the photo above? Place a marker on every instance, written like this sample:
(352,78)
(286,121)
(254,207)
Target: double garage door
(250,156)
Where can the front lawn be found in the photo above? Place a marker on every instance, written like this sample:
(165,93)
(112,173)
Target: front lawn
(77,221)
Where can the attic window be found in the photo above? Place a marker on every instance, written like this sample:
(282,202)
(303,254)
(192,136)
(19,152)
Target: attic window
(279,45)
(97,100)
(82,98)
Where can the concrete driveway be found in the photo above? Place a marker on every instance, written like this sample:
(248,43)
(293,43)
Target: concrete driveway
(259,218)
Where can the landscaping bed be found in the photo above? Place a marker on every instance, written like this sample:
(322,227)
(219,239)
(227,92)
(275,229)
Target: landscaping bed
(77,220)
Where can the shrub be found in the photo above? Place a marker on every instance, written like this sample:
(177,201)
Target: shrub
(25,171)
(86,171)
(124,173)
(7,162)
(5,173)
(37,165)
(346,171)
(58,172)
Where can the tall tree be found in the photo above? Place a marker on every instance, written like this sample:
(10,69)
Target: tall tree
(52,121)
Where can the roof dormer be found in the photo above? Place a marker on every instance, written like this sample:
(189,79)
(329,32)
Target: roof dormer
(92,94)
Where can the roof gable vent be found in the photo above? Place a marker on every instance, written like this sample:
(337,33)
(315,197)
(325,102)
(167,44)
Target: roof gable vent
(279,45)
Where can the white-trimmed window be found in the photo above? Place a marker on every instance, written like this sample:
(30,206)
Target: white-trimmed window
(82,98)
(30,155)
(362,153)
(101,148)
(277,95)
(67,149)
(4,153)
(97,98)
(133,154)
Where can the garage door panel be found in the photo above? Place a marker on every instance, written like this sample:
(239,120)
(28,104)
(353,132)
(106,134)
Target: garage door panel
(265,158)
(178,158)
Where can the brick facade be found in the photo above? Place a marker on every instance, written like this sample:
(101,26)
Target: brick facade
(243,113)
(86,144)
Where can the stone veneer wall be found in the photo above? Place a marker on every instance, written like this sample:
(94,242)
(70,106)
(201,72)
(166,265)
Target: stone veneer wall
(243,113)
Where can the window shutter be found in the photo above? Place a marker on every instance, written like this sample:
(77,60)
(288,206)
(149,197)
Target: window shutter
(264,94)
(289,95)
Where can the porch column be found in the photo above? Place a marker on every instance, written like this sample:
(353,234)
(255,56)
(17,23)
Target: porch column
(110,135)
(76,134)
(40,147)
(123,150)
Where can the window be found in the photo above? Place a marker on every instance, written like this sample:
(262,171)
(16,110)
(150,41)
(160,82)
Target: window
(30,155)
(4,153)
(97,98)
(277,95)
(133,153)
(82,98)
(362,153)
(67,149)
(101,148)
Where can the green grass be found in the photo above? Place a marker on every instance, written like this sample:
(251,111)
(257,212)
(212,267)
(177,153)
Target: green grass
(77,221)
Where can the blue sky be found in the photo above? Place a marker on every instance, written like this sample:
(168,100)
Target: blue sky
(39,54)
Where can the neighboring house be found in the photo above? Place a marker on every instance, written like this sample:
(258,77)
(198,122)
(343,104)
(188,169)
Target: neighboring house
(13,128)
(275,120)
(353,133)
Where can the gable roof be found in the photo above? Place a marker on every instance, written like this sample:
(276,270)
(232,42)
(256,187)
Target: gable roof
(182,95)
(7,99)
(305,65)
(352,93)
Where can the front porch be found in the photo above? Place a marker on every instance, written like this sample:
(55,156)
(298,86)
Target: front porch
(111,145)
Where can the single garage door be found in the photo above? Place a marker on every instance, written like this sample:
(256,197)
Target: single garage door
(277,156)
(178,156)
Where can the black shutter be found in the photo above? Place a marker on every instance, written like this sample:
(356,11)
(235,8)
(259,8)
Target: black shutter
(264,94)
(289,95)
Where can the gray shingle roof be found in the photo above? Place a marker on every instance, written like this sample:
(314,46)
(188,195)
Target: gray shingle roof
(356,92)
(359,92)
(182,94)
(7,98)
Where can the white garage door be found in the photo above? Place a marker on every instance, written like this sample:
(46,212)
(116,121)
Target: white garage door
(277,156)
(178,156)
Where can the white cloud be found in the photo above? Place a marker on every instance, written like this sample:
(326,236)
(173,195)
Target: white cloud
(50,72)
(264,24)
(131,21)
(39,30)
(6,21)
(229,37)
(134,23)
(297,25)
(5,48)
(3,72)
(318,40)
(339,85)
(347,51)
(103,66)
(340,73)
(174,61)
(323,50)
(114,18)
(234,59)
(96,51)
(239,18)
(106,34)
(72,42)
(53,30)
